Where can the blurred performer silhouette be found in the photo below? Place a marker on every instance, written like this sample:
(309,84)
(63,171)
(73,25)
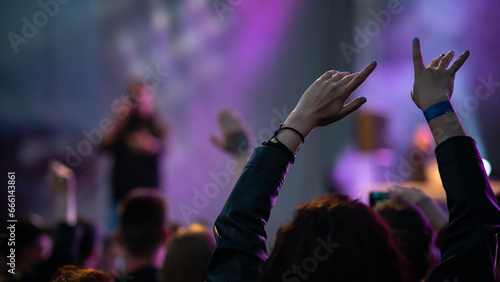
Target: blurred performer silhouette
(136,142)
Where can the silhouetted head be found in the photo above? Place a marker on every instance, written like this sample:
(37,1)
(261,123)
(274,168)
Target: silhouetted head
(335,239)
(188,255)
(32,243)
(411,232)
(89,249)
(143,221)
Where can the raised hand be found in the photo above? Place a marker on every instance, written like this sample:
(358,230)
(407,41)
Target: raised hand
(234,133)
(60,177)
(324,101)
(434,84)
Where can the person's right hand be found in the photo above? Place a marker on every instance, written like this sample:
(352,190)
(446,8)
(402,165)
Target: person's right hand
(324,101)
(434,84)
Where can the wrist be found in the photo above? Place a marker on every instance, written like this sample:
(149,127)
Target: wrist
(300,123)
(446,126)
(438,109)
(293,137)
(438,98)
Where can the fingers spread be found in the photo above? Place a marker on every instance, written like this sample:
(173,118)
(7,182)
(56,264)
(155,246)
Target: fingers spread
(459,62)
(360,77)
(418,63)
(434,63)
(445,61)
(327,75)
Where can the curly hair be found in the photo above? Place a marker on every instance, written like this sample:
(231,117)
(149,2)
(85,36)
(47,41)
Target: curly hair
(335,238)
(411,231)
(71,273)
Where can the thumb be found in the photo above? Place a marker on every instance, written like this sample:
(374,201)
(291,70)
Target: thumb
(218,142)
(352,106)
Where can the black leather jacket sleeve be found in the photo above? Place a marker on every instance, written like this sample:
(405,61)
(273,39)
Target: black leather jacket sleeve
(239,229)
(470,239)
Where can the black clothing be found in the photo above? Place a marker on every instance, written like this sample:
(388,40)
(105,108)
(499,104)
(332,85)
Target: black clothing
(470,239)
(133,169)
(65,251)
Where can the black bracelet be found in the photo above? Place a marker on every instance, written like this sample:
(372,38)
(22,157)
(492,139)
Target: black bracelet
(282,146)
(293,129)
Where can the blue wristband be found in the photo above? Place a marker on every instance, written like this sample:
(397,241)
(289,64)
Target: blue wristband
(438,109)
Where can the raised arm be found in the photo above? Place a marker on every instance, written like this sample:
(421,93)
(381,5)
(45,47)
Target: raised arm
(62,183)
(470,239)
(432,90)
(240,227)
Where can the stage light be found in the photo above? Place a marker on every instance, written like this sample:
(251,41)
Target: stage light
(487,167)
